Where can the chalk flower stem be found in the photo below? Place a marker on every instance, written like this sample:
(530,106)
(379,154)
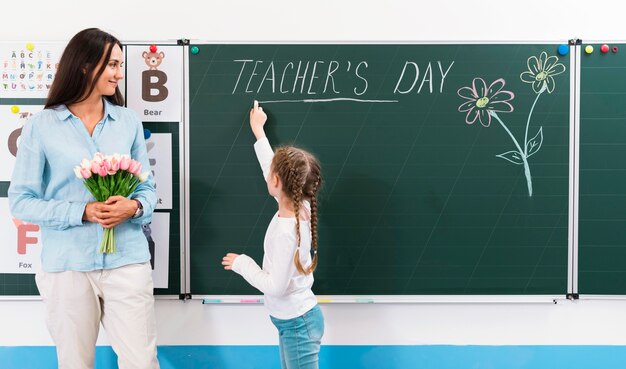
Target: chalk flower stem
(518,157)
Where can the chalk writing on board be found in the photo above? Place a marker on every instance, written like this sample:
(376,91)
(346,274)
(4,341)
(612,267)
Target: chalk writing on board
(329,100)
(334,80)
(484,102)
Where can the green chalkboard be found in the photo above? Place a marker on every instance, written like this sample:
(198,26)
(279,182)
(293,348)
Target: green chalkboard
(602,208)
(416,200)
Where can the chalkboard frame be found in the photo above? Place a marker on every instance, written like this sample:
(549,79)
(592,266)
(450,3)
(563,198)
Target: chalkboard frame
(570,290)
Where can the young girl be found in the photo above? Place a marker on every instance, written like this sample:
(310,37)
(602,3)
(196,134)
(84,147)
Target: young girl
(293,178)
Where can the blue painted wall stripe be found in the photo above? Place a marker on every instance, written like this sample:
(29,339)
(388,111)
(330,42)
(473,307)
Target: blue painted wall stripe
(349,357)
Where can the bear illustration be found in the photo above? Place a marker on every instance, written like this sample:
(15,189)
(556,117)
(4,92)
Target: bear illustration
(153,59)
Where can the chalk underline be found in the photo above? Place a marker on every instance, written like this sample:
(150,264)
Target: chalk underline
(328,100)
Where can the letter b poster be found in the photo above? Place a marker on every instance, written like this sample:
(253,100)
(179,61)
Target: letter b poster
(155,77)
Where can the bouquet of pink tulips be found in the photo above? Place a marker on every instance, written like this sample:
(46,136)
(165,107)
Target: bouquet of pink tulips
(110,175)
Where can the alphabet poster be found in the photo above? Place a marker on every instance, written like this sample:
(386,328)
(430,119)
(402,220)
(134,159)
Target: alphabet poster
(158,235)
(154,75)
(159,147)
(28,68)
(20,248)
(12,119)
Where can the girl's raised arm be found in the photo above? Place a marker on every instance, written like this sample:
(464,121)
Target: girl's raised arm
(264,152)
(257,120)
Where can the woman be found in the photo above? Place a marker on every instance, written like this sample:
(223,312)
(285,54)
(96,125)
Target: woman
(81,287)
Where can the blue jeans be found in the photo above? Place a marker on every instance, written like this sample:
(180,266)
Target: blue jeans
(299,339)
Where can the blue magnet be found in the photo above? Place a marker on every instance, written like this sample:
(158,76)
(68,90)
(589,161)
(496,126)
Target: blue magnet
(146,133)
(195,50)
(563,50)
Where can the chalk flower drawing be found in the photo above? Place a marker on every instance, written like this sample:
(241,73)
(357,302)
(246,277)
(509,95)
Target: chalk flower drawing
(541,71)
(484,102)
(483,99)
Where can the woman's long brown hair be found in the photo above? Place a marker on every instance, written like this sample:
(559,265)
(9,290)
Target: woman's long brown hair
(75,79)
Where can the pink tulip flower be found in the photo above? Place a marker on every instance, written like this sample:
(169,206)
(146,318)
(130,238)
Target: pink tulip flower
(85,164)
(106,164)
(102,171)
(135,167)
(115,163)
(124,162)
(98,158)
(85,173)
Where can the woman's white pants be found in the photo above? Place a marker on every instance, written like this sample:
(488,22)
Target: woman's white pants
(121,299)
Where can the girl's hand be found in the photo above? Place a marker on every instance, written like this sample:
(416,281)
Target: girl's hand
(257,120)
(228,260)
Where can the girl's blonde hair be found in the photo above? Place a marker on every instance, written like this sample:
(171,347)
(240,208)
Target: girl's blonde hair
(300,173)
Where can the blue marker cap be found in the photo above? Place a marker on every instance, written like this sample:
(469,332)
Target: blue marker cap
(146,133)
(563,50)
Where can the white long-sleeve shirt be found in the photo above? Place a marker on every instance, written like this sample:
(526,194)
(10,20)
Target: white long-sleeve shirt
(287,292)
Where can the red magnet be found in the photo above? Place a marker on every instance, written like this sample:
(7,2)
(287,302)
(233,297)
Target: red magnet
(614,49)
(604,48)
(153,48)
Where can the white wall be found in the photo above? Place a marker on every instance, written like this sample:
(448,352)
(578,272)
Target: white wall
(191,323)
(271,20)
(580,322)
